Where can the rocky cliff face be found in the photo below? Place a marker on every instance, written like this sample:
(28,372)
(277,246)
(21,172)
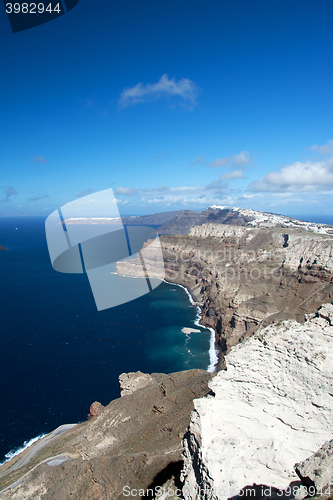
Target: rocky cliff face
(316,472)
(133,442)
(244,278)
(272,407)
(187,219)
(182,221)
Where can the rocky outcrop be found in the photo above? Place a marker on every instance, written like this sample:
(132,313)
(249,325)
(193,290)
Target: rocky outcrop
(129,443)
(272,407)
(316,472)
(95,410)
(2,249)
(131,382)
(243,277)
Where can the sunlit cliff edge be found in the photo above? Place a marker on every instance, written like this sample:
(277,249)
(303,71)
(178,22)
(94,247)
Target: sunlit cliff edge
(261,284)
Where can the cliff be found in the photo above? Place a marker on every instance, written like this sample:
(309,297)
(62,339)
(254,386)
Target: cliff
(2,249)
(133,442)
(184,221)
(252,429)
(244,278)
(272,407)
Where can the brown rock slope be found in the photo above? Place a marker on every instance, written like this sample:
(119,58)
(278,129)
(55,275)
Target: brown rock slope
(245,277)
(127,443)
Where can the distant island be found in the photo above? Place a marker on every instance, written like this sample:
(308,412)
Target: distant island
(2,249)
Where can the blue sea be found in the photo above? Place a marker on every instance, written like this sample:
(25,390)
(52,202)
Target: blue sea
(317,218)
(59,354)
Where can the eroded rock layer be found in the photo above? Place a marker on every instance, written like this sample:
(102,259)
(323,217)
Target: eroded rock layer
(272,408)
(244,278)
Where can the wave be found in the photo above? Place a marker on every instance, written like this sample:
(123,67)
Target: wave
(13,453)
(213,351)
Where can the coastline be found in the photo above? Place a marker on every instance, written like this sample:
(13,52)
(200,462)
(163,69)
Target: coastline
(216,358)
(15,452)
(215,352)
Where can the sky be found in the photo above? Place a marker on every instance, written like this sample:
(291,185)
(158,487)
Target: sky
(172,104)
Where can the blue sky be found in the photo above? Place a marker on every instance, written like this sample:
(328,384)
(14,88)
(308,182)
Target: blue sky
(172,104)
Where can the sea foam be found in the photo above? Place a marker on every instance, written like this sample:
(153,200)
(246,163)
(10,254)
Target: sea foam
(213,352)
(13,453)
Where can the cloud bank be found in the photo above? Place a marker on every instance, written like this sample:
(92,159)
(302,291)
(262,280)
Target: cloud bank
(309,176)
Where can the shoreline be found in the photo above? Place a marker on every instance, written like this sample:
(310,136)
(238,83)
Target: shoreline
(215,352)
(15,452)
(215,358)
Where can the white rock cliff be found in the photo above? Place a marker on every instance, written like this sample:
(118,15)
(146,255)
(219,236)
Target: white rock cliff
(272,408)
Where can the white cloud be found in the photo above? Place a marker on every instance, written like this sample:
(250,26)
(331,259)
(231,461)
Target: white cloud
(38,159)
(85,193)
(327,149)
(220,162)
(198,161)
(243,158)
(126,191)
(302,177)
(246,196)
(185,188)
(185,90)
(183,200)
(236,174)
(217,185)
(154,190)
(160,154)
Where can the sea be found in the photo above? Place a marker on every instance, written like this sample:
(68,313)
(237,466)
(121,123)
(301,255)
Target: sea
(58,354)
